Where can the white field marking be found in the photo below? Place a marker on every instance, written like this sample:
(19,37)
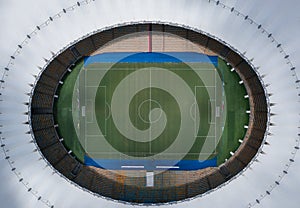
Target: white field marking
(218,111)
(132,166)
(166,167)
(83,111)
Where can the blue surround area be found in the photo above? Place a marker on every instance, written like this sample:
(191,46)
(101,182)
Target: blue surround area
(115,164)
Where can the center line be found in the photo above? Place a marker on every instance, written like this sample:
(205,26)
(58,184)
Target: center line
(149,112)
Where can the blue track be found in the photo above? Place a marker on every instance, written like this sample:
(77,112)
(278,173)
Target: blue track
(151,57)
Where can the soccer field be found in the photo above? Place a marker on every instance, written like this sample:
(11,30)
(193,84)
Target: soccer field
(169,112)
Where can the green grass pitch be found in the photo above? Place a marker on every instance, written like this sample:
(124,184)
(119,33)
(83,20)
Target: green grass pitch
(233,123)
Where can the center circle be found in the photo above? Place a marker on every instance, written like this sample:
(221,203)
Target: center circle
(154,115)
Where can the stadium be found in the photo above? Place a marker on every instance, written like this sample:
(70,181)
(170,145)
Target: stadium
(142,107)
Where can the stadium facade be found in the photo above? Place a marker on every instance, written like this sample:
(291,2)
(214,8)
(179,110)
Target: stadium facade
(249,29)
